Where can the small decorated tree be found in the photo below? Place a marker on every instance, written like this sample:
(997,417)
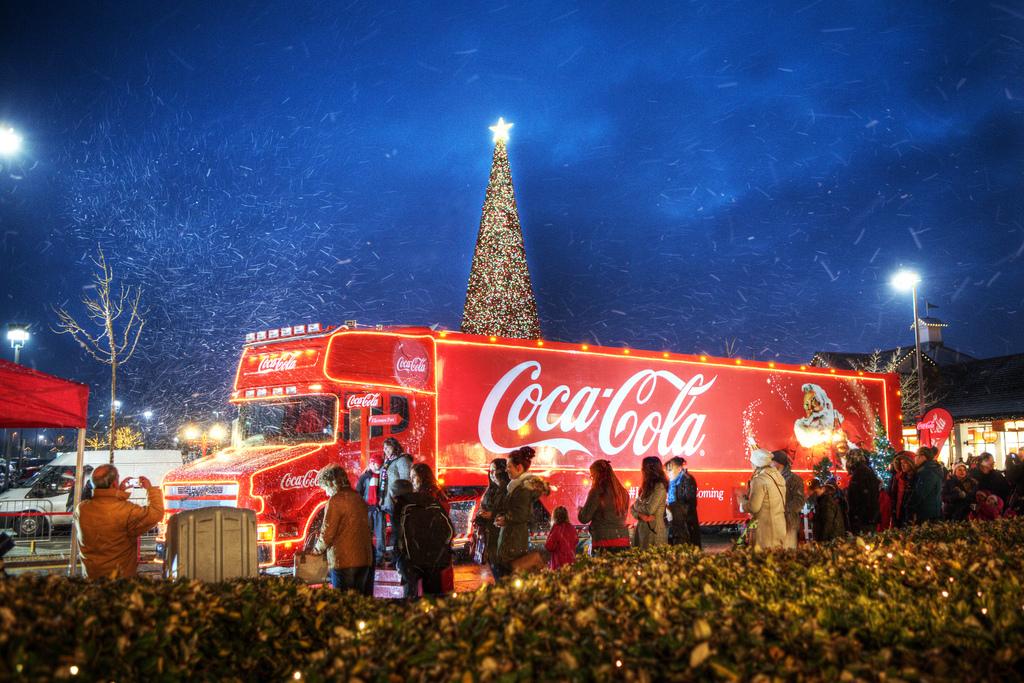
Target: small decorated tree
(883,454)
(823,470)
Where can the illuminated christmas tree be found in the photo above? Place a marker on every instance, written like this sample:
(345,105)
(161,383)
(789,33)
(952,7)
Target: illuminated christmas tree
(499,299)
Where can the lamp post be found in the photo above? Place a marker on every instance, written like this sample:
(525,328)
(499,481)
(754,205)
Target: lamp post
(909,280)
(17,334)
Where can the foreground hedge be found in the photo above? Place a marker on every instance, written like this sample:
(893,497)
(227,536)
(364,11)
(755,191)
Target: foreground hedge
(944,602)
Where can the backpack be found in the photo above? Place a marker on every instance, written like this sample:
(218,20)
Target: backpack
(427,535)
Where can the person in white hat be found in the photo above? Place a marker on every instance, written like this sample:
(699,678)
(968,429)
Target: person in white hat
(766,502)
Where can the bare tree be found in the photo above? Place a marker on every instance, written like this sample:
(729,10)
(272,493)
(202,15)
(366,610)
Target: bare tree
(117,321)
(890,362)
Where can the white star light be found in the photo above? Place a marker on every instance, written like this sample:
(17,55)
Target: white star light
(500,130)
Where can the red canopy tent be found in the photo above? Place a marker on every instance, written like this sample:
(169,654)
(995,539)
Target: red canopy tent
(29,398)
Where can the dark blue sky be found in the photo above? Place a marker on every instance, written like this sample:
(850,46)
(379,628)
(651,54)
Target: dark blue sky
(689,177)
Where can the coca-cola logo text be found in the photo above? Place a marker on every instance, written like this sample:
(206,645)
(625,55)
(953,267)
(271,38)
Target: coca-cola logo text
(275,364)
(934,424)
(411,364)
(299,481)
(363,401)
(622,423)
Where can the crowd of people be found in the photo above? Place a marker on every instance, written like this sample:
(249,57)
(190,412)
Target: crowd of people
(664,510)
(402,497)
(919,489)
(394,493)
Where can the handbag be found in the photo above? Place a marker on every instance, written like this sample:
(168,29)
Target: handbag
(309,568)
(530,562)
(478,546)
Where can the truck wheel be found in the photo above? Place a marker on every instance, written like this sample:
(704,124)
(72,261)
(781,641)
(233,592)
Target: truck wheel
(31,527)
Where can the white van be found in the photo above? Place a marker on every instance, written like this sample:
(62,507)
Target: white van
(48,489)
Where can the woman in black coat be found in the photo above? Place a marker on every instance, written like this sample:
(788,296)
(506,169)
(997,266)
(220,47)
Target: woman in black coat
(827,523)
(491,504)
(605,510)
(957,494)
(862,494)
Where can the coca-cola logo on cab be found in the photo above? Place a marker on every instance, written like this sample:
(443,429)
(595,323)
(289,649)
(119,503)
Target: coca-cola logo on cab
(626,417)
(363,401)
(411,366)
(276,364)
(299,481)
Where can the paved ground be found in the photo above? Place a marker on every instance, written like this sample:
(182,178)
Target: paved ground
(51,557)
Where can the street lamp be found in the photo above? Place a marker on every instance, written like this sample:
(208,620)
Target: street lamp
(10,141)
(909,280)
(17,334)
(217,433)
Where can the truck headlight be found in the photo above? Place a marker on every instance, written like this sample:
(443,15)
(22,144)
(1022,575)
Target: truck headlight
(265,533)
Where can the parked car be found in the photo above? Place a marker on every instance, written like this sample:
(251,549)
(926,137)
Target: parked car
(46,492)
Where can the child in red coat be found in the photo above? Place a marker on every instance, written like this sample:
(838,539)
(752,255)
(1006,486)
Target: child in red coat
(562,540)
(987,507)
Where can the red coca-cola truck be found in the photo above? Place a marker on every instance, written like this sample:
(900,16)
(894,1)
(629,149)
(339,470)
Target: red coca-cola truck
(308,396)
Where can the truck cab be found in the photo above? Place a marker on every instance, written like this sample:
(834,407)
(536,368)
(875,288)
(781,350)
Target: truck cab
(305,399)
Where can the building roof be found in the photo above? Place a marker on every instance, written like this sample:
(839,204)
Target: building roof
(987,389)
(938,354)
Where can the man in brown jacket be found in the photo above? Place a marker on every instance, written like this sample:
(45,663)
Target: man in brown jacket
(108,526)
(795,496)
(345,533)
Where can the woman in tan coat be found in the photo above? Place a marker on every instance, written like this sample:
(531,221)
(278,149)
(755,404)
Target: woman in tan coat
(649,508)
(766,503)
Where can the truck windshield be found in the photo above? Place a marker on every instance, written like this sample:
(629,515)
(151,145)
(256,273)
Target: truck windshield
(298,419)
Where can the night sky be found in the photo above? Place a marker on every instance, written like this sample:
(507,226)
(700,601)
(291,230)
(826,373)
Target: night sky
(703,177)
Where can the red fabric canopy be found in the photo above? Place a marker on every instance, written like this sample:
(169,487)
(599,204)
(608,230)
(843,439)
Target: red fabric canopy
(29,398)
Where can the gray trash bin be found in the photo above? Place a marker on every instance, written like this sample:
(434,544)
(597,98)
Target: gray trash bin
(211,544)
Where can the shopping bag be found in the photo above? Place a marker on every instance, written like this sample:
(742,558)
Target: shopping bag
(310,568)
(530,562)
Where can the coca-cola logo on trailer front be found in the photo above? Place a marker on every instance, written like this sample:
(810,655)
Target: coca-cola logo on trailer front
(416,365)
(299,481)
(520,402)
(412,369)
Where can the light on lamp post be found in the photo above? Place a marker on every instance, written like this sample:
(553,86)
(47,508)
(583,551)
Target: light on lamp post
(10,141)
(17,334)
(217,433)
(905,280)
